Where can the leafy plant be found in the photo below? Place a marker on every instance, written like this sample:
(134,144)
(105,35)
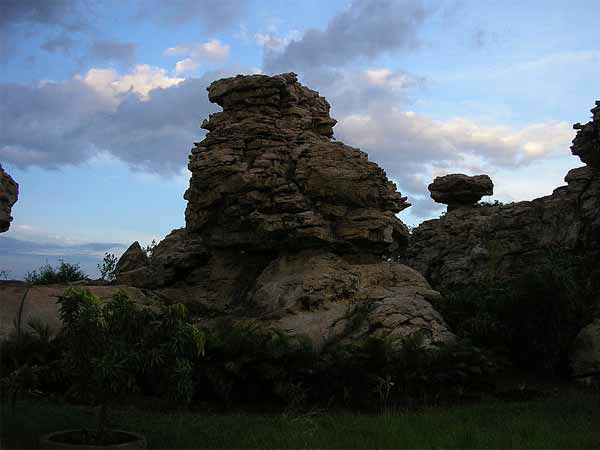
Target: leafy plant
(108,266)
(64,273)
(149,249)
(109,345)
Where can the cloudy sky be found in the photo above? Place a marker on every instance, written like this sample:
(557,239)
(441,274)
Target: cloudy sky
(100,100)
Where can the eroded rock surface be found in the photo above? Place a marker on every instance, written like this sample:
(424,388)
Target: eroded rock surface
(503,241)
(586,144)
(9,193)
(268,176)
(286,227)
(458,190)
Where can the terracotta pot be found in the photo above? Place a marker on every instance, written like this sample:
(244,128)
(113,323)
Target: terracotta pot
(58,439)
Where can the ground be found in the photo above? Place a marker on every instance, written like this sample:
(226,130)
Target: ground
(568,419)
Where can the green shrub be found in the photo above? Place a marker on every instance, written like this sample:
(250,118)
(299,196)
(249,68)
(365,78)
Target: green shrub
(64,273)
(107,346)
(533,318)
(108,266)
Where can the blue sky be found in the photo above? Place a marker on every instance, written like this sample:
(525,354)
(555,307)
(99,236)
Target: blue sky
(101,100)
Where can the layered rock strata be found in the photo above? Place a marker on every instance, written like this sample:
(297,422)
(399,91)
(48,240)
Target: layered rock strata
(9,193)
(268,176)
(503,241)
(287,227)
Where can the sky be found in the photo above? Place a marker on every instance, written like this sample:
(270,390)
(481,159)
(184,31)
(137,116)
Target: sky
(101,100)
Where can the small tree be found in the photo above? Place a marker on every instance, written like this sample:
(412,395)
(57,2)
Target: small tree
(109,344)
(150,248)
(108,266)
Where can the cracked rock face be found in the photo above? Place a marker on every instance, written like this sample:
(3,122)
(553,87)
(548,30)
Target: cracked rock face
(456,190)
(287,228)
(586,144)
(268,176)
(504,241)
(9,193)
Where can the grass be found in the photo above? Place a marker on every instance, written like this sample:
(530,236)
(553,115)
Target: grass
(569,420)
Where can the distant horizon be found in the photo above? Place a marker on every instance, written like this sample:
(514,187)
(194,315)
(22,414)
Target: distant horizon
(102,101)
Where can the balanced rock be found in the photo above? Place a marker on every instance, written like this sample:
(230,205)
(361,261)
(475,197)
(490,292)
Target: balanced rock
(505,241)
(9,193)
(586,144)
(268,176)
(457,190)
(131,269)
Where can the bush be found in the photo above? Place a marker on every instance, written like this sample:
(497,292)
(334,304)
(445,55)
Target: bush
(108,346)
(64,273)
(533,318)
(108,267)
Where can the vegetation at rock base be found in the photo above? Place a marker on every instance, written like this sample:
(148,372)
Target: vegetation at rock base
(64,273)
(532,319)
(108,267)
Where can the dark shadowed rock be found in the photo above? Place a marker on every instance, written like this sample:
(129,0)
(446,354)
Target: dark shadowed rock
(586,144)
(134,258)
(9,193)
(457,190)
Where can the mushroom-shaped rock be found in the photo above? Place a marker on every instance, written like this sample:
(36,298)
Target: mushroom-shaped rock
(456,190)
(586,144)
(9,193)
(268,176)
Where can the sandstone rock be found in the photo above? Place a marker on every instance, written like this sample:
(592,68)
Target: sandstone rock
(586,144)
(457,189)
(585,359)
(335,298)
(287,228)
(133,258)
(502,241)
(40,303)
(9,193)
(268,177)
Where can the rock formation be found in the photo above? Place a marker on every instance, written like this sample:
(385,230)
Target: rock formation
(268,177)
(9,193)
(502,241)
(458,190)
(287,227)
(586,144)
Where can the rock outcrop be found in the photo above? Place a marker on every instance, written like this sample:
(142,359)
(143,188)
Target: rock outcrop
(268,177)
(504,241)
(287,227)
(9,193)
(457,190)
(586,144)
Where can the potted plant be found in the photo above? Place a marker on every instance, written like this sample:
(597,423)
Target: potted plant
(108,346)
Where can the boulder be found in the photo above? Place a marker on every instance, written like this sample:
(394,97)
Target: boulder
(133,258)
(456,190)
(585,358)
(9,193)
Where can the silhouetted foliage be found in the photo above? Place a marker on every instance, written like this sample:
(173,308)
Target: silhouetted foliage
(64,273)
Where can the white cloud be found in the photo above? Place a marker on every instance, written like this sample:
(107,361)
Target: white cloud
(274,42)
(140,81)
(186,65)
(210,52)
(176,51)
(414,148)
